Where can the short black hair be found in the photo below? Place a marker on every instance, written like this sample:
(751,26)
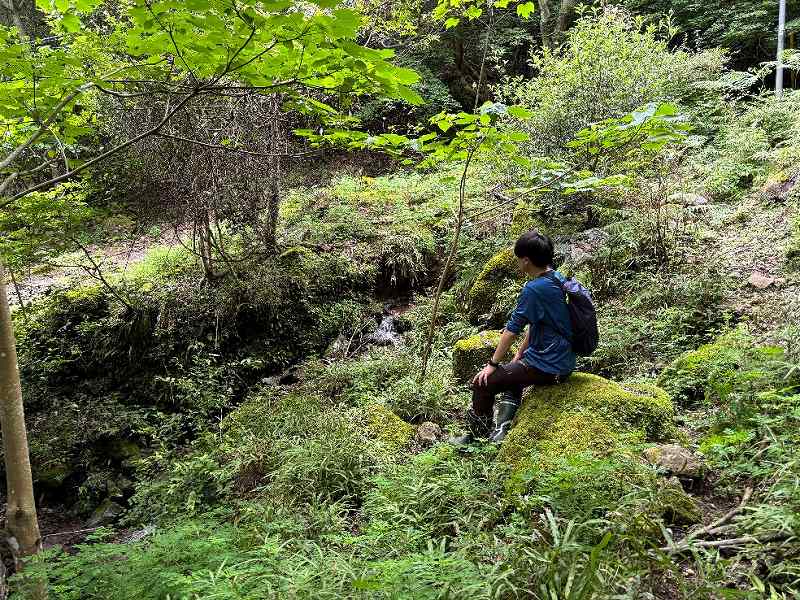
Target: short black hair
(536,247)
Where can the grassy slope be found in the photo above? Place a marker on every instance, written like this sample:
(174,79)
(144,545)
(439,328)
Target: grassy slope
(298,497)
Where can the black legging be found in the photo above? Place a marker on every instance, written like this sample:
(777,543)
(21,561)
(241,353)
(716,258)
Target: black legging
(511,377)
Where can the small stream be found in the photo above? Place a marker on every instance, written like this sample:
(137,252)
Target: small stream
(387,333)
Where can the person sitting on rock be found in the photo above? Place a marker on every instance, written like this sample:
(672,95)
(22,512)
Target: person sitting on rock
(545,357)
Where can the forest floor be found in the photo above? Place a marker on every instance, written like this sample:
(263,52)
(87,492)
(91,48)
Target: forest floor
(751,246)
(112,256)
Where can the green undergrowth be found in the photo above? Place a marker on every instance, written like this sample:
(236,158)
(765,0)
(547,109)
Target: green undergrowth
(163,352)
(749,436)
(793,250)
(653,318)
(400,223)
(301,493)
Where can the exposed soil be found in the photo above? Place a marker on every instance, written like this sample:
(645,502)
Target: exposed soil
(757,243)
(114,256)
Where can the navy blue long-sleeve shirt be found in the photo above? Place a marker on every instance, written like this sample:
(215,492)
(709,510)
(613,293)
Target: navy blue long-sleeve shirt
(542,305)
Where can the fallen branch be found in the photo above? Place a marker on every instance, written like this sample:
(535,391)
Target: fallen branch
(712,528)
(723,519)
(729,543)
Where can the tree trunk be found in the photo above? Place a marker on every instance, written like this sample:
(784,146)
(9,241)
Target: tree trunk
(15,14)
(545,24)
(205,250)
(564,17)
(21,507)
(553,26)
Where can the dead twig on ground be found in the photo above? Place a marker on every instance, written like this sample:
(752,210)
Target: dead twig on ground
(716,527)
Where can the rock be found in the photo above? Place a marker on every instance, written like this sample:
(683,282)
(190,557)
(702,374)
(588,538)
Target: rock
(139,535)
(675,505)
(106,513)
(587,413)
(679,461)
(761,280)
(336,349)
(499,271)
(581,436)
(780,186)
(582,249)
(688,199)
(429,433)
(123,451)
(472,353)
(524,218)
(387,428)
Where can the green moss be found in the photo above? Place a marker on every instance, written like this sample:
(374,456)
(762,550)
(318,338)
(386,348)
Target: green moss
(687,377)
(499,270)
(161,264)
(388,429)
(573,432)
(526,218)
(674,505)
(470,354)
(123,450)
(587,412)
(85,293)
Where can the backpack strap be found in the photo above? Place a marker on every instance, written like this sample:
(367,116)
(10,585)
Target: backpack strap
(551,275)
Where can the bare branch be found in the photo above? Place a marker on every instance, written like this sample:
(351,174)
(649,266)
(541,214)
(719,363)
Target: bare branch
(230,149)
(104,155)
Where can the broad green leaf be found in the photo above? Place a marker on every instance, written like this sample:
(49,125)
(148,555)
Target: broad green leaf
(521,161)
(473,12)
(524,10)
(519,112)
(451,22)
(70,23)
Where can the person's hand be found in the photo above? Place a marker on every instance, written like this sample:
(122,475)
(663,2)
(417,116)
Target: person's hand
(482,377)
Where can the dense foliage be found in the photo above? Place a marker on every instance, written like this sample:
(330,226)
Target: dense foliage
(225,232)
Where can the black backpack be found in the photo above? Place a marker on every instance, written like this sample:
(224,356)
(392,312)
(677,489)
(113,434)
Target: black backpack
(582,315)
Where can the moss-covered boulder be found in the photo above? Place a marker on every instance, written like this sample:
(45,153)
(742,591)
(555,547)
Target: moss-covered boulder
(573,448)
(472,353)
(526,217)
(587,413)
(388,429)
(732,359)
(688,378)
(500,272)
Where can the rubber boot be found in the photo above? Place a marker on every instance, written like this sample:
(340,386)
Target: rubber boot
(506,410)
(478,426)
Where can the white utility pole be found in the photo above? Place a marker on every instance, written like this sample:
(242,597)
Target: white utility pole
(781,36)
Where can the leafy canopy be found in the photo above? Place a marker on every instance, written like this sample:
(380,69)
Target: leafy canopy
(306,52)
